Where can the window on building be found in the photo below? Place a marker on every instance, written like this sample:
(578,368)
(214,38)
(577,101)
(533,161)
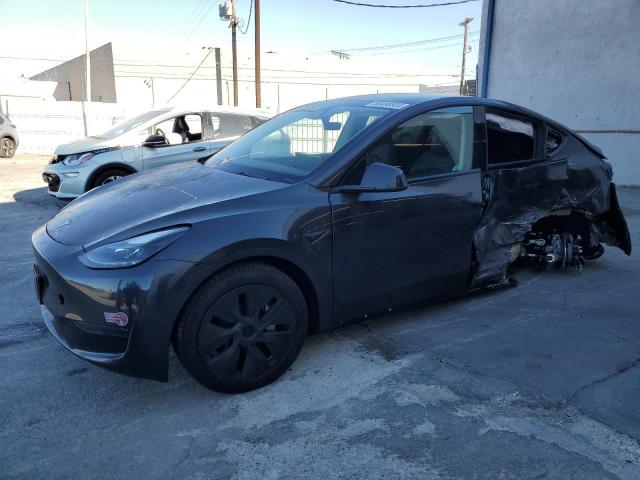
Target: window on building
(509,138)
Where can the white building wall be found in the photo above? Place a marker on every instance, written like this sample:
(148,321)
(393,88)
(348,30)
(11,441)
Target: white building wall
(576,62)
(44,124)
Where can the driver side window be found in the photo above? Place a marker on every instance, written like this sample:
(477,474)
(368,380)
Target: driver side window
(433,143)
(180,129)
(165,128)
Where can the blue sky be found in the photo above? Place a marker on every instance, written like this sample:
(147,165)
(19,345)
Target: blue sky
(54,29)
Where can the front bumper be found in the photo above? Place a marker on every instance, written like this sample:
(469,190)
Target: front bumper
(62,186)
(118,319)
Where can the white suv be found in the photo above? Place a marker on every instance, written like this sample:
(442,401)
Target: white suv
(153,139)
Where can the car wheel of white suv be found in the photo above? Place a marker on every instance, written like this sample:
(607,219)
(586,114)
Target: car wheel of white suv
(7,147)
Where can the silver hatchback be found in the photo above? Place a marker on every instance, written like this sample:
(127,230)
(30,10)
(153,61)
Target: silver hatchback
(8,137)
(150,140)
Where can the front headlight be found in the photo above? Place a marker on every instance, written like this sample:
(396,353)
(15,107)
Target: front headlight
(133,251)
(77,159)
(80,158)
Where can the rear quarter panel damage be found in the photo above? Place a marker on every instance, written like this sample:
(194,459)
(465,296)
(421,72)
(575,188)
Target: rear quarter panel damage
(575,179)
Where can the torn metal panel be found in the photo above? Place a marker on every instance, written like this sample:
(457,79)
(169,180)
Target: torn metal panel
(514,199)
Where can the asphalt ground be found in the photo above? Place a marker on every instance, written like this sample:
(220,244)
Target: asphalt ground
(537,381)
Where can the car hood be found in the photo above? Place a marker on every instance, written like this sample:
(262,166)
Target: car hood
(86,145)
(148,201)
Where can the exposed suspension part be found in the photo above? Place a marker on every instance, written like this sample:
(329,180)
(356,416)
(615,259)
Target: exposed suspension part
(556,249)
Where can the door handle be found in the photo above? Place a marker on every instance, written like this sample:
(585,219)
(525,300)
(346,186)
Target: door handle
(199,149)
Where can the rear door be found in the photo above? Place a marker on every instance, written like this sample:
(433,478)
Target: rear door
(397,248)
(186,143)
(524,173)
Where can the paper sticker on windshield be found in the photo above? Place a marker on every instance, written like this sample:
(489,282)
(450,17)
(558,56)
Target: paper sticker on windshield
(394,105)
(119,318)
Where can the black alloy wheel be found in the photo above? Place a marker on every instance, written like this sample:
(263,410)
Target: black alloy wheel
(243,328)
(246,332)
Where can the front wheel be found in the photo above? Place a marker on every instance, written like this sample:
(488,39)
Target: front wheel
(7,147)
(109,176)
(243,328)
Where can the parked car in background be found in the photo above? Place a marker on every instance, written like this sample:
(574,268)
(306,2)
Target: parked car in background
(8,137)
(328,214)
(153,139)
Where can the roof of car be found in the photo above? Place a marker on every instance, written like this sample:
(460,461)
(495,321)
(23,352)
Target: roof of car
(408,99)
(403,99)
(216,109)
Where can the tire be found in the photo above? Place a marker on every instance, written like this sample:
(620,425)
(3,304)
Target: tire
(242,328)
(109,176)
(7,147)
(594,253)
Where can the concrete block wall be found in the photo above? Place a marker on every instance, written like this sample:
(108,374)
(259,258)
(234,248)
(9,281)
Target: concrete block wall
(577,62)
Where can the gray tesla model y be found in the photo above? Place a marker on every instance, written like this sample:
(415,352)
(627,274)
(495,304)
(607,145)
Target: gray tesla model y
(324,215)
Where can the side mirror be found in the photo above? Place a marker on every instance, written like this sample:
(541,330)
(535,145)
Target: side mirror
(378,177)
(154,141)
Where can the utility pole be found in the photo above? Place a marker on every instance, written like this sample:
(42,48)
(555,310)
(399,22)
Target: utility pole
(340,54)
(465,23)
(87,66)
(218,75)
(234,24)
(257,53)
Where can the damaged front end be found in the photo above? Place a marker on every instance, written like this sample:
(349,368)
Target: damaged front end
(554,213)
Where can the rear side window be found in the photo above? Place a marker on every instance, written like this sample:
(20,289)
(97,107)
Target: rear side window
(509,138)
(229,125)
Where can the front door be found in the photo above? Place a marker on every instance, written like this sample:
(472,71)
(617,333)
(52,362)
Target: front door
(185,142)
(397,248)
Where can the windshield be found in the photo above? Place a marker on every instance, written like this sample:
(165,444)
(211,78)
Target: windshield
(130,124)
(291,146)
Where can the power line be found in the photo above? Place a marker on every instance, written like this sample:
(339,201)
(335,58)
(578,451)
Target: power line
(248,20)
(402,52)
(283,70)
(203,76)
(428,5)
(197,9)
(359,49)
(251,80)
(39,59)
(192,75)
(339,74)
(408,44)
(199,22)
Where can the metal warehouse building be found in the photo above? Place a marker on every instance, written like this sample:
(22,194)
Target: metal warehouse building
(575,61)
